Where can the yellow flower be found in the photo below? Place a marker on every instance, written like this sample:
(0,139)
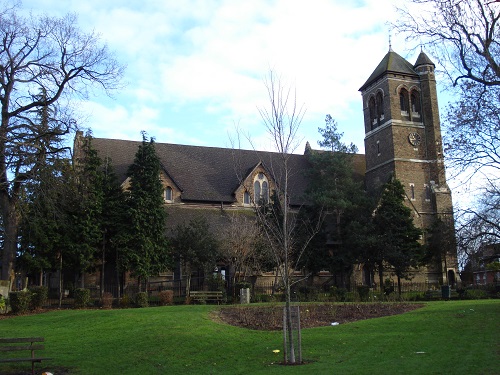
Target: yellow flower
(276,351)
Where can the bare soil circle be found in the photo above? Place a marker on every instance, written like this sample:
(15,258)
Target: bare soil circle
(269,318)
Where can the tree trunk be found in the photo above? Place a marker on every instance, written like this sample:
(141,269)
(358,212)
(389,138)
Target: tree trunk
(276,277)
(118,279)
(103,263)
(188,280)
(60,280)
(289,327)
(10,227)
(381,276)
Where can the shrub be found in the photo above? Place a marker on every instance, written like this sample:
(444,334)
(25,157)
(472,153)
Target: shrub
(2,304)
(20,301)
(107,300)
(262,298)
(338,294)
(461,293)
(307,293)
(364,292)
(166,297)
(141,300)
(493,290)
(82,297)
(242,285)
(39,296)
(179,300)
(216,282)
(476,294)
(125,301)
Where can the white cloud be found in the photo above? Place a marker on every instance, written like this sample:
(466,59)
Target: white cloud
(117,121)
(215,54)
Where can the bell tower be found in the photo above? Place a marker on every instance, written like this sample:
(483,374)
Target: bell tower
(403,139)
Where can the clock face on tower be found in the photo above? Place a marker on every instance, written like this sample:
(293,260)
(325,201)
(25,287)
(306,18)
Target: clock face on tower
(414,139)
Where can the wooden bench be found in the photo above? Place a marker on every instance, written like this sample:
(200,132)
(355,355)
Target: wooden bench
(202,295)
(22,344)
(433,294)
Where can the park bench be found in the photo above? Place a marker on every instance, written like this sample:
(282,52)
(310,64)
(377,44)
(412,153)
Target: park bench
(22,344)
(203,295)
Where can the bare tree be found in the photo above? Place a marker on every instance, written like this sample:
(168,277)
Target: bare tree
(479,226)
(239,241)
(44,62)
(462,34)
(279,222)
(472,140)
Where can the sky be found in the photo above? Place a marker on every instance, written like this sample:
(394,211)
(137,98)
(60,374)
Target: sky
(196,68)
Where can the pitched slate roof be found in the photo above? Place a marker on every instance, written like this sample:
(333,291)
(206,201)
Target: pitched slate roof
(423,59)
(391,63)
(206,174)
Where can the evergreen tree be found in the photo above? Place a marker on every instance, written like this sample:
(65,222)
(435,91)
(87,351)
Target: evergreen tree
(336,191)
(99,214)
(195,247)
(114,221)
(45,225)
(72,215)
(146,252)
(86,210)
(398,238)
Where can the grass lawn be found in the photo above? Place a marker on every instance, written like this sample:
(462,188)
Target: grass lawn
(456,337)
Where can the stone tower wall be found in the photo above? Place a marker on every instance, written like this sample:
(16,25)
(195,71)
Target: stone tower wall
(419,167)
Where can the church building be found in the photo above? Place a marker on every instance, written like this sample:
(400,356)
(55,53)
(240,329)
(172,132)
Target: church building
(402,140)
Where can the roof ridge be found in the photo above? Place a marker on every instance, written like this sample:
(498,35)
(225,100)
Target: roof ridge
(391,62)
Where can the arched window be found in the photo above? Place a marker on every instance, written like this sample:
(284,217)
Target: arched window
(169,194)
(265,191)
(415,104)
(261,189)
(403,101)
(256,191)
(367,276)
(246,198)
(373,113)
(380,107)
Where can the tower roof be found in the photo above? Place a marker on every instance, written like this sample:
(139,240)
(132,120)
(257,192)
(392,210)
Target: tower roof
(391,63)
(423,59)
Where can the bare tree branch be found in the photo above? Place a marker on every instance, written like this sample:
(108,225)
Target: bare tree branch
(44,63)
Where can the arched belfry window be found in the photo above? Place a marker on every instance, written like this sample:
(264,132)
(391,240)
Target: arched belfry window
(415,104)
(376,109)
(380,107)
(373,113)
(261,188)
(404,102)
